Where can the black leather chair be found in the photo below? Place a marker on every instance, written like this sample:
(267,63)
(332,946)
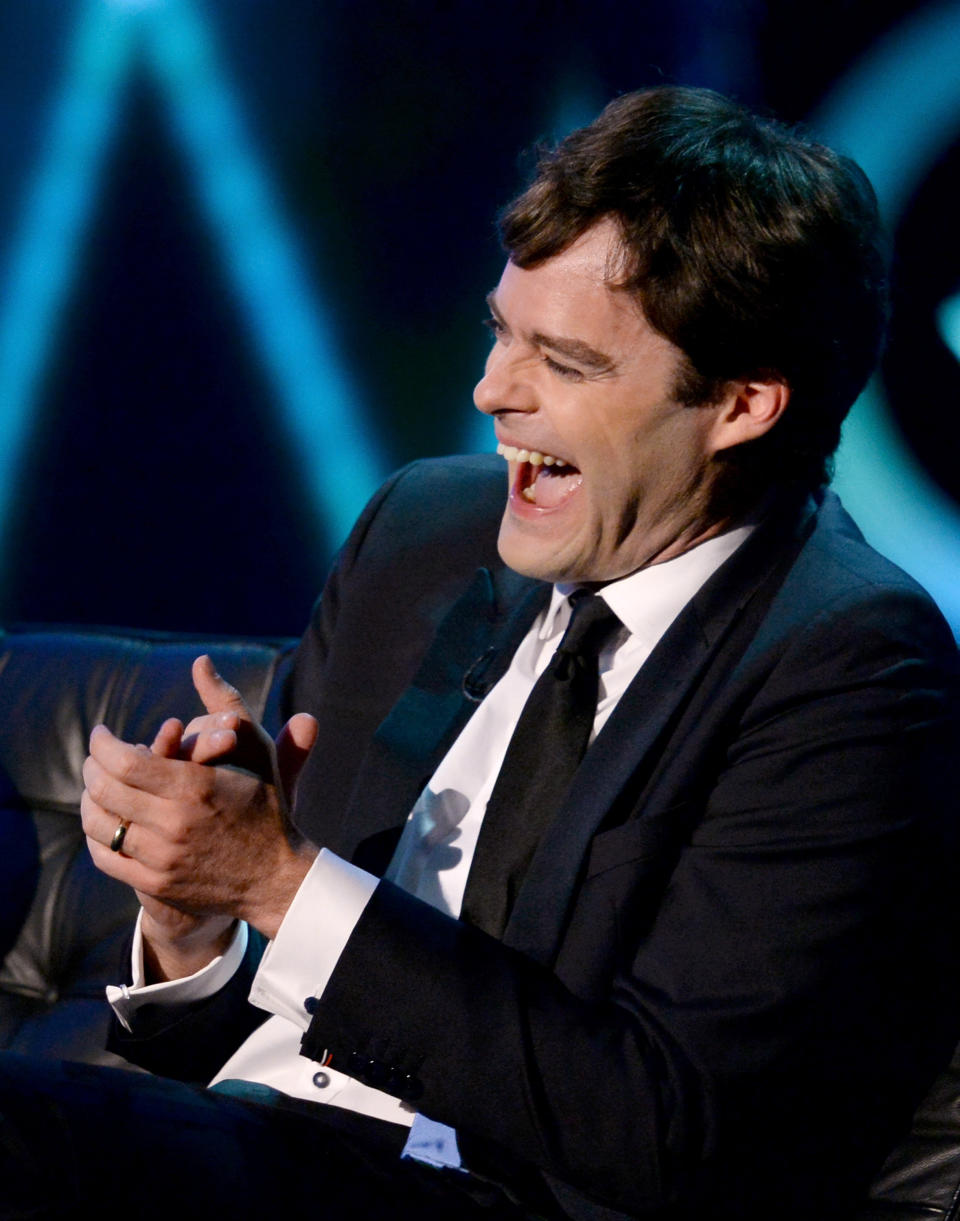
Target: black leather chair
(921,1179)
(55,686)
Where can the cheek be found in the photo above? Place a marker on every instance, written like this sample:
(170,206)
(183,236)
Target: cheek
(643,478)
(614,508)
(622,465)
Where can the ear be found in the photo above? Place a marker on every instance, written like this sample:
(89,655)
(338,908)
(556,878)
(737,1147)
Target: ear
(748,411)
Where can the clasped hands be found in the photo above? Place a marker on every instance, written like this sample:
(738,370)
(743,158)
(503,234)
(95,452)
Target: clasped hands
(209,839)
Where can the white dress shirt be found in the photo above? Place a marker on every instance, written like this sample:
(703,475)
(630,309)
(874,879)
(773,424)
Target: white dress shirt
(433,857)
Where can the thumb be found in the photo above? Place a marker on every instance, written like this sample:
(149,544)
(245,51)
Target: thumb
(294,743)
(215,692)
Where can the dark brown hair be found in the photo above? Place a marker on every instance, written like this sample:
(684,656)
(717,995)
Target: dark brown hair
(753,249)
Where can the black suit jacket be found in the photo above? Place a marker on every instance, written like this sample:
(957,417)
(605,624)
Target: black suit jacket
(729,973)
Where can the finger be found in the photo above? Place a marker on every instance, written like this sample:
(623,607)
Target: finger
(95,819)
(252,747)
(117,798)
(148,845)
(100,825)
(208,745)
(132,769)
(123,867)
(167,742)
(216,720)
(215,692)
(205,738)
(294,744)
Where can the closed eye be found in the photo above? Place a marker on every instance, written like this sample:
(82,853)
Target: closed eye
(561,370)
(498,329)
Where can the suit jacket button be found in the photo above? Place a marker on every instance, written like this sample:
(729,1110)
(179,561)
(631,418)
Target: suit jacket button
(411,1088)
(400,1084)
(377,1074)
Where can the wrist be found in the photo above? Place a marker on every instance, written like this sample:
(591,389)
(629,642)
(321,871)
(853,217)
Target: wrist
(168,955)
(272,904)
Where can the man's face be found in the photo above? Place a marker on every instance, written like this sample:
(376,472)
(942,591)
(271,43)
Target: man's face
(607,471)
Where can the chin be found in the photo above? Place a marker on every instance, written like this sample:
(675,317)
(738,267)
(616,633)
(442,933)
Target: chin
(528,558)
(533,558)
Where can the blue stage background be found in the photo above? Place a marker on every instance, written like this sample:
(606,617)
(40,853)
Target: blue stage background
(244,246)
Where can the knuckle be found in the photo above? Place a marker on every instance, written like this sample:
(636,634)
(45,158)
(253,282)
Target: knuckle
(178,832)
(102,857)
(97,787)
(167,865)
(163,862)
(127,766)
(88,810)
(205,786)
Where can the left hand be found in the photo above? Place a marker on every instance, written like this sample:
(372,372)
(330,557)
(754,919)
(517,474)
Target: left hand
(206,840)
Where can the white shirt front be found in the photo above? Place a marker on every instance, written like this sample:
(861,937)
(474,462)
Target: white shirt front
(432,860)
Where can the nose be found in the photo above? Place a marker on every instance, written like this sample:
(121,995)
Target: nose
(503,387)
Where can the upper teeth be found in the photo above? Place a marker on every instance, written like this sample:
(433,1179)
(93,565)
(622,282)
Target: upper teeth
(533,456)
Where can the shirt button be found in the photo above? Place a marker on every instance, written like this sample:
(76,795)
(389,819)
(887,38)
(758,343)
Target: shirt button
(311,1004)
(321,1080)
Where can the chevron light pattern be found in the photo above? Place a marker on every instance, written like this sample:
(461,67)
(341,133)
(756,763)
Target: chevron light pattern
(289,325)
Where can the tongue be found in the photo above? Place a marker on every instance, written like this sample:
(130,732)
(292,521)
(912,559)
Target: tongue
(552,487)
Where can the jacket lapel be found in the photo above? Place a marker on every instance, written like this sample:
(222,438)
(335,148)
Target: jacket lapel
(470,652)
(717,625)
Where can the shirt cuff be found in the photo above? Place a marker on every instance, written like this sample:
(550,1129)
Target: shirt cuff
(126,999)
(297,964)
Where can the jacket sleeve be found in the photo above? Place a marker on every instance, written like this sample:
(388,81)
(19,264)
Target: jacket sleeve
(190,1042)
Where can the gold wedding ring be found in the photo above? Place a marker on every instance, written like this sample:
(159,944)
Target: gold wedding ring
(118,836)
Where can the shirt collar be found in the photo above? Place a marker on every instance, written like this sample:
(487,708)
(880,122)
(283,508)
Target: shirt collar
(647,601)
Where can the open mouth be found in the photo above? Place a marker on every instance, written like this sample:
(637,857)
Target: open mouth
(541,479)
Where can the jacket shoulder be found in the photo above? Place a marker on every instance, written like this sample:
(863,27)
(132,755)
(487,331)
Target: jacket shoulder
(838,576)
(436,498)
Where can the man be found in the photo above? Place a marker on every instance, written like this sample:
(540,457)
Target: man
(702,976)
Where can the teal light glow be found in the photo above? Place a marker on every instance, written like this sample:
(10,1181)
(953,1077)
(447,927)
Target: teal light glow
(43,256)
(289,326)
(948,320)
(895,112)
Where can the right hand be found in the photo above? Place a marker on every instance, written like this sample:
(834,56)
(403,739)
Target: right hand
(228,733)
(178,943)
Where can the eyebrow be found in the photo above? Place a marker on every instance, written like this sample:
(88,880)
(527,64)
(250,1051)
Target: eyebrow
(574,349)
